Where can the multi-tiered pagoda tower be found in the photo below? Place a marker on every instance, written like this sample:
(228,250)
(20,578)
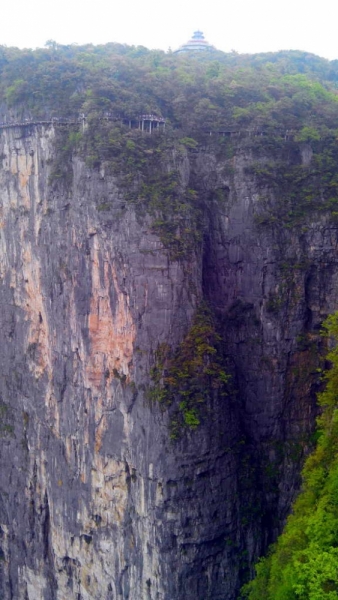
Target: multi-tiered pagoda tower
(197,42)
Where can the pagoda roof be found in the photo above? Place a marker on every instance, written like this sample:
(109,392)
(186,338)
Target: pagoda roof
(197,42)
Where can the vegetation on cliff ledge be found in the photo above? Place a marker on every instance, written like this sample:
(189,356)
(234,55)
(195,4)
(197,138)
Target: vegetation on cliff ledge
(187,378)
(303,564)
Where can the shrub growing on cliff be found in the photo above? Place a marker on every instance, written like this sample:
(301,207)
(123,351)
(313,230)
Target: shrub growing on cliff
(188,376)
(304,562)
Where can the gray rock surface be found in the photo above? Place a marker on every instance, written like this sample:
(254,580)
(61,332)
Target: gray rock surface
(96,501)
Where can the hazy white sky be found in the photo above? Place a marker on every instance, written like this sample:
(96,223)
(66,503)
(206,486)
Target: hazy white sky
(242,25)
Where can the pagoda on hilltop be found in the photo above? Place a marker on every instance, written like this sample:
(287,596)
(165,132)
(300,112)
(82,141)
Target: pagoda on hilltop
(197,42)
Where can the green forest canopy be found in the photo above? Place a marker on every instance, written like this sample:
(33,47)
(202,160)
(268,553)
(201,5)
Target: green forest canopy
(286,90)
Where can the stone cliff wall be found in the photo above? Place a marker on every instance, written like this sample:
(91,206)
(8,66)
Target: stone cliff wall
(96,500)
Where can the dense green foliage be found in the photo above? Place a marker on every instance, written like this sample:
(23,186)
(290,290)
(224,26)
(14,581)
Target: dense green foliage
(188,376)
(304,562)
(207,90)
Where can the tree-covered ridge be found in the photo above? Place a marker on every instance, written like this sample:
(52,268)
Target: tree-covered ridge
(210,90)
(303,564)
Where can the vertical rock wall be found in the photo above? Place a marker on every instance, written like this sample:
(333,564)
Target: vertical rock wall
(96,501)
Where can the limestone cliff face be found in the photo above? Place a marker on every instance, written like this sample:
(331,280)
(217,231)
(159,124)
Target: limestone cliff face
(96,501)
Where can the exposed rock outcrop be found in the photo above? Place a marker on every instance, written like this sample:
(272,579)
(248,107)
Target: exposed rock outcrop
(96,500)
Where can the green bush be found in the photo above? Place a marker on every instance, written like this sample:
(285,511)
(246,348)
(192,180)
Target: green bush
(187,377)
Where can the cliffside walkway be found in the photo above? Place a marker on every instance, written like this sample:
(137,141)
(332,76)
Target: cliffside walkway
(287,134)
(146,122)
